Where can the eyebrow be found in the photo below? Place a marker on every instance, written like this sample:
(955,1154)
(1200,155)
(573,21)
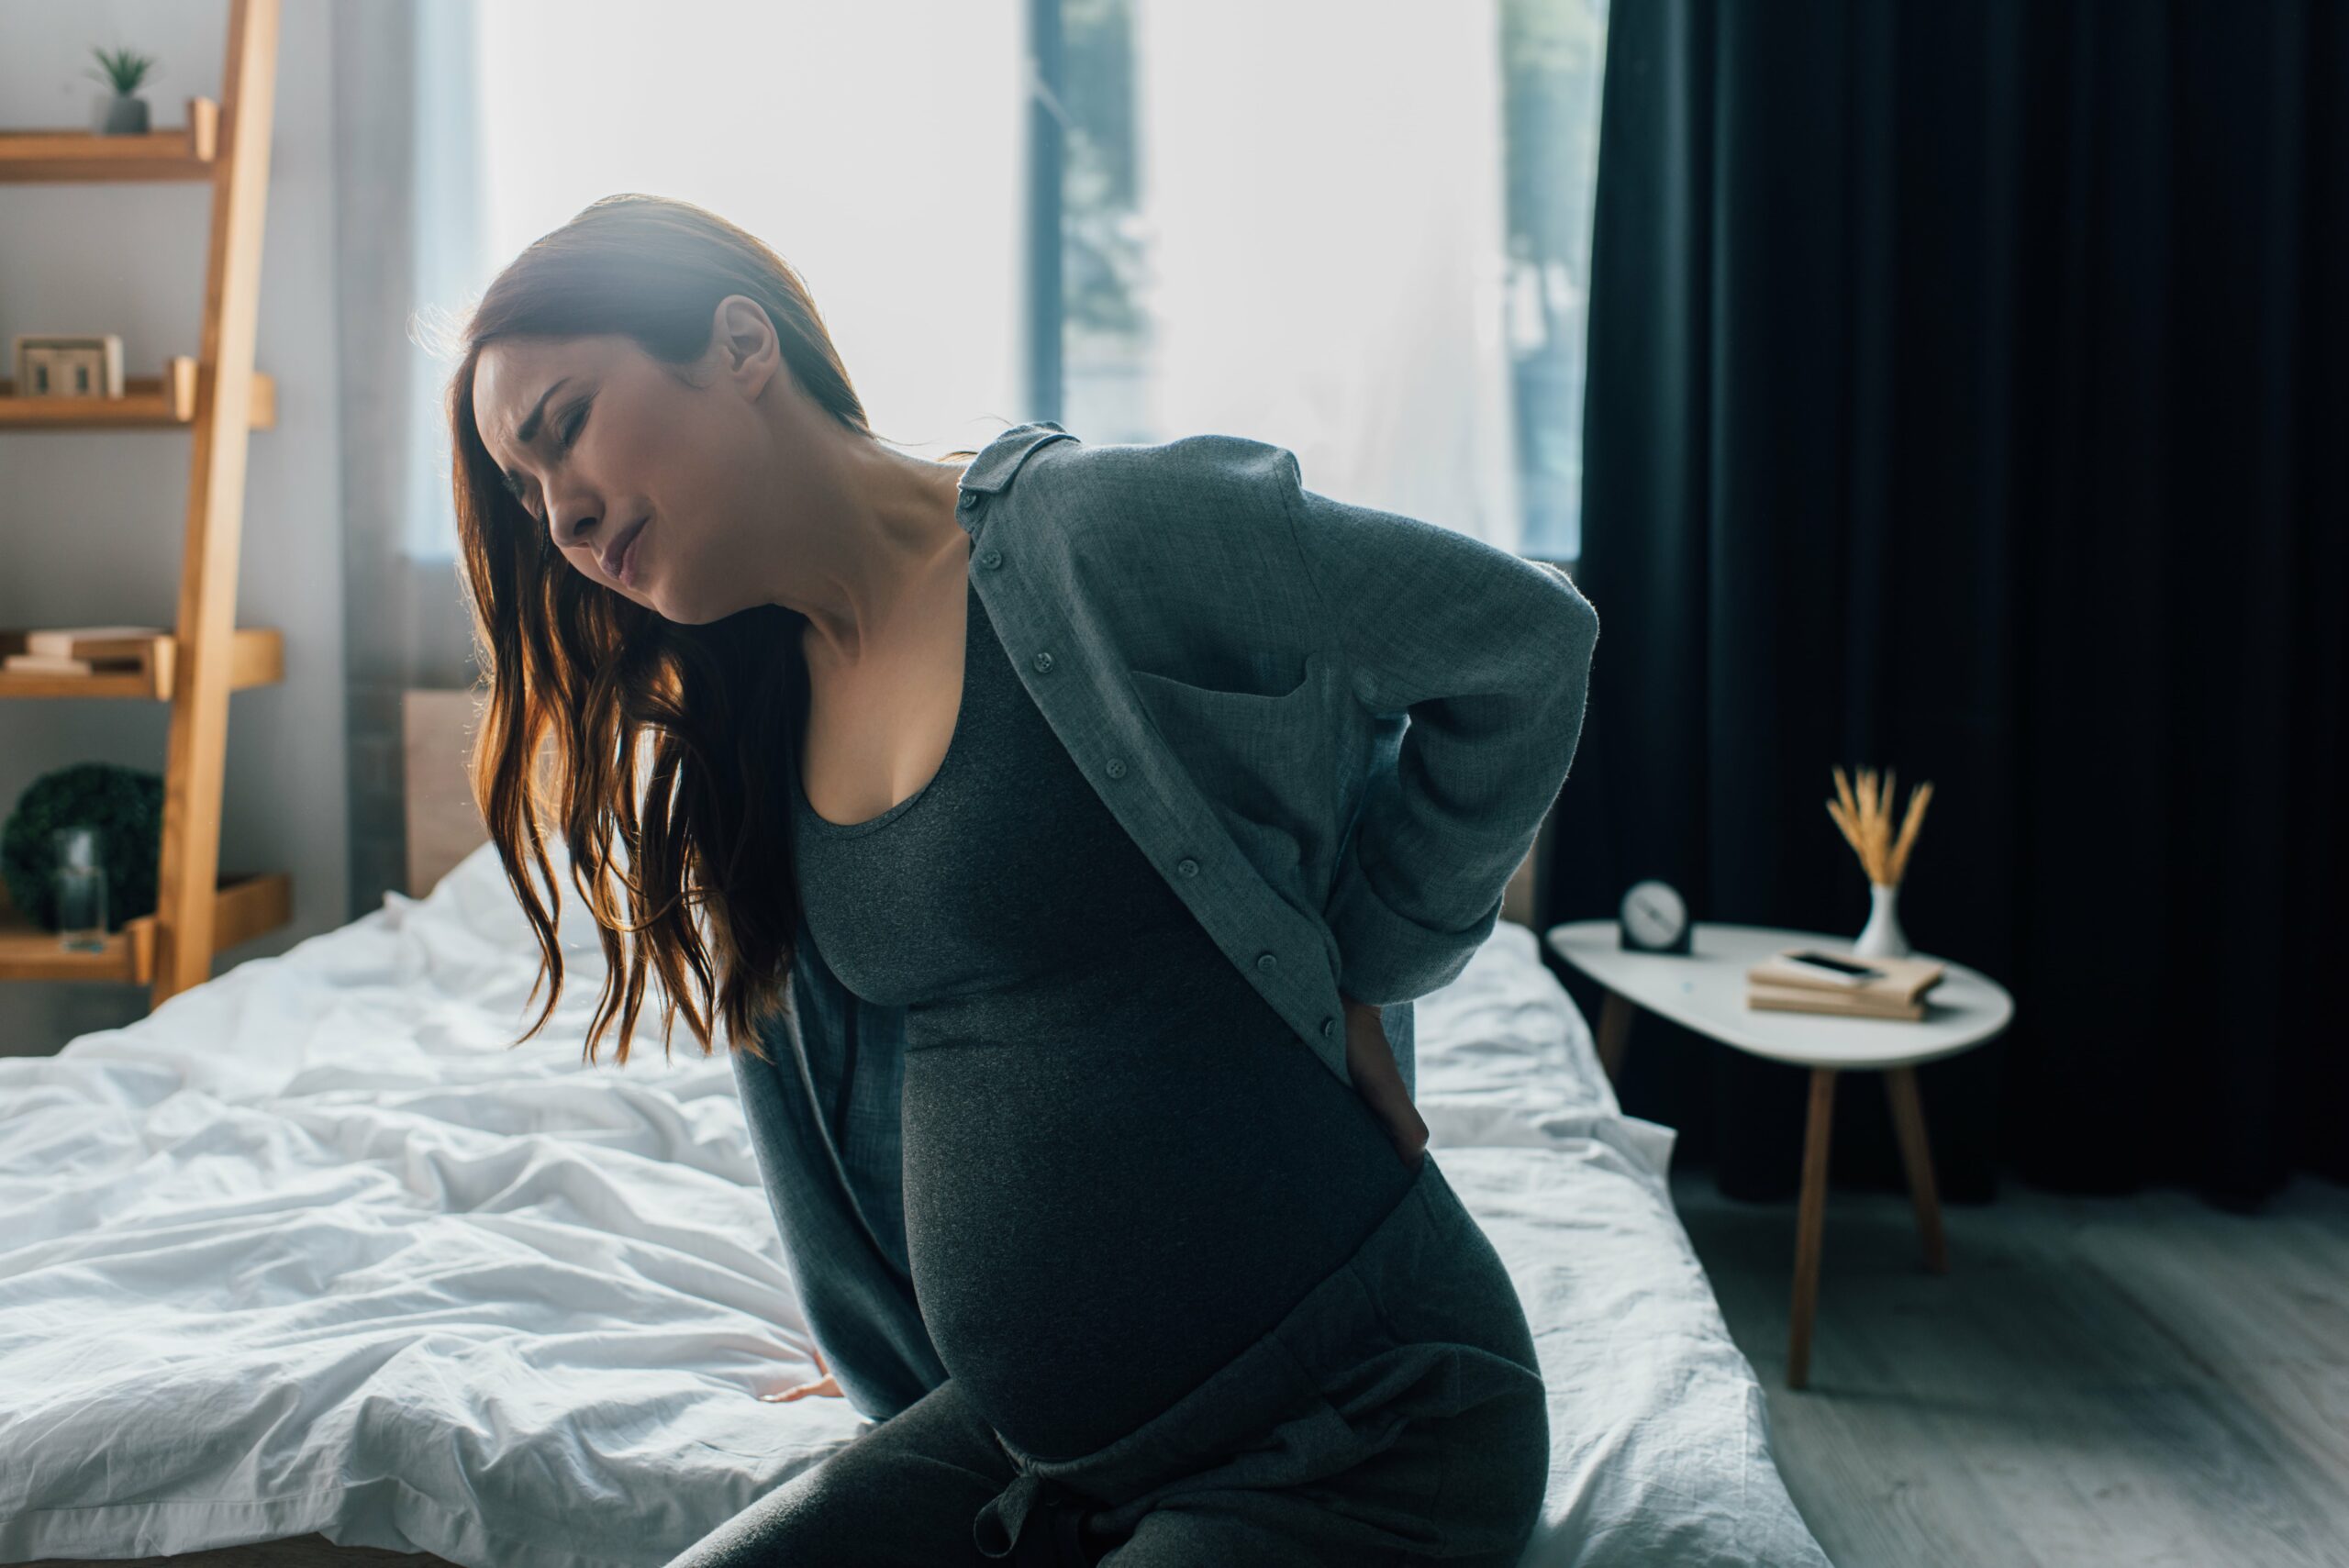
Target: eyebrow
(528,431)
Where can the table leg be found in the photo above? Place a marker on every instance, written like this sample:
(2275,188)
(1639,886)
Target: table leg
(1909,1121)
(1614,1034)
(1811,1223)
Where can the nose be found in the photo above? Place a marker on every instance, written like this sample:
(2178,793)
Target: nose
(572,523)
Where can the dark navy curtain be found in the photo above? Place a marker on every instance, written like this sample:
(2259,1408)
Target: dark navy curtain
(1970,395)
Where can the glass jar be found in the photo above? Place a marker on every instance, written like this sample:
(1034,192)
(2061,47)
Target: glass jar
(81,891)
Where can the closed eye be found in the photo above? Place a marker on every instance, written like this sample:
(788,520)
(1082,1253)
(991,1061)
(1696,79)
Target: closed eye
(570,434)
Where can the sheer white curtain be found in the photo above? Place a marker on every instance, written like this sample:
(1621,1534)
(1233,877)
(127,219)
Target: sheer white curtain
(1323,191)
(447,235)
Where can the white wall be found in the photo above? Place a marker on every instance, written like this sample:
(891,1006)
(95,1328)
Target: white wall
(91,522)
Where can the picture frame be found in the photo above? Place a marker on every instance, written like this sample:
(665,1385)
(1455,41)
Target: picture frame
(68,364)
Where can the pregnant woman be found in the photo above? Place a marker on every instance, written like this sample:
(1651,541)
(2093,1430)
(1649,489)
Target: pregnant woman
(1198,1298)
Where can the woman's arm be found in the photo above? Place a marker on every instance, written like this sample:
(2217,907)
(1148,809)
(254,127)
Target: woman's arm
(1489,654)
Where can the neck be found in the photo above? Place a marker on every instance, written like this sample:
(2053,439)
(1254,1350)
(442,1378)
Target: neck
(865,575)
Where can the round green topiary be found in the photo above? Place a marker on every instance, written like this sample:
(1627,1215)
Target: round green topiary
(125,805)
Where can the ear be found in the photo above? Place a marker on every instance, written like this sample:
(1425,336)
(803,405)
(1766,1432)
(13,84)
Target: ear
(743,341)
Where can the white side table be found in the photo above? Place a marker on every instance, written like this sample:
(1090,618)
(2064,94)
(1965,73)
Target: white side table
(1704,990)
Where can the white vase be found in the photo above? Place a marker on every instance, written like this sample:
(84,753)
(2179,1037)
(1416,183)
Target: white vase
(1883,937)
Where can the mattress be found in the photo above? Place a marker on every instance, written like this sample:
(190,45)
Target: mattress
(314,1247)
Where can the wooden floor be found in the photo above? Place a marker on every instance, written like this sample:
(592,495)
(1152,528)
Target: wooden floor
(2142,1380)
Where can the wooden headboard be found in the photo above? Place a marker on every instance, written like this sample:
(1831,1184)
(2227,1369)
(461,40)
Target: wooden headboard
(1516,899)
(443,824)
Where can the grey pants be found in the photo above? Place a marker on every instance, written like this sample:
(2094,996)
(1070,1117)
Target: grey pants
(1395,1416)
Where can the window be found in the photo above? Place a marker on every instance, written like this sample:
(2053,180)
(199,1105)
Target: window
(1370,242)
(1552,52)
(1360,231)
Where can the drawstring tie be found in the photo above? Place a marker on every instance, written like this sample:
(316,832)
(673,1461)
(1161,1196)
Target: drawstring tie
(1035,1522)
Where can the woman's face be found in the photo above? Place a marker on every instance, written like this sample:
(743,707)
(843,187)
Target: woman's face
(598,438)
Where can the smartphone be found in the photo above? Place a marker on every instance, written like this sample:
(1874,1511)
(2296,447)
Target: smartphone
(1828,966)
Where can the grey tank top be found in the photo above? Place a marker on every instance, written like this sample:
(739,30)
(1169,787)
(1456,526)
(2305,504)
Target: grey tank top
(1122,1167)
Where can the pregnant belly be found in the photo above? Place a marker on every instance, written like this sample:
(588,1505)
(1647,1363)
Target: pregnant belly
(1105,1204)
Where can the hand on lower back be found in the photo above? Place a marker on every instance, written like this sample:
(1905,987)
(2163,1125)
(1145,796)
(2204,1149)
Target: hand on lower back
(1371,1062)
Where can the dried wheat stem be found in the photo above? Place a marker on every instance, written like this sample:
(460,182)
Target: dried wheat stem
(1865,816)
(1851,836)
(1918,799)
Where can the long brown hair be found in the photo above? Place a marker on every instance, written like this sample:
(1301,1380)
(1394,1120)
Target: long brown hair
(579,679)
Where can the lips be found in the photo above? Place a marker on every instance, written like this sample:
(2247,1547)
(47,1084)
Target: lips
(616,555)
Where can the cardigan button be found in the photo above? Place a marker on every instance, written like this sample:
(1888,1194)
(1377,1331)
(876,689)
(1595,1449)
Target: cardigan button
(1188,866)
(1042,661)
(1117,768)
(1328,1026)
(1267,962)
(990,558)
(969,498)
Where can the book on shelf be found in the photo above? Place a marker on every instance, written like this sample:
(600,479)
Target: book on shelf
(51,665)
(1774,986)
(90,642)
(77,650)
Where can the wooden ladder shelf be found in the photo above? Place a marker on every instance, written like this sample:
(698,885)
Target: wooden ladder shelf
(196,667)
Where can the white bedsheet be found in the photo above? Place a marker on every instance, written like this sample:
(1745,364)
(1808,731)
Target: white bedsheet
(309,1249)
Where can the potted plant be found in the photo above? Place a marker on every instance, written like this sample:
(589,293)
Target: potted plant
(124,71)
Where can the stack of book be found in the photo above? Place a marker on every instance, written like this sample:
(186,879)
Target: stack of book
(82,649)
(1898,991)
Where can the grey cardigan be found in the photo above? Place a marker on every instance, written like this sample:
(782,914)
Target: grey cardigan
(1334,729)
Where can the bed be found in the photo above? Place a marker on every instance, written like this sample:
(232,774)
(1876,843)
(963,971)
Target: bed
(309,1249)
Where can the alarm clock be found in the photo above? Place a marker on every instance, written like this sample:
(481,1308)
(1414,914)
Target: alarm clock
(1653,918)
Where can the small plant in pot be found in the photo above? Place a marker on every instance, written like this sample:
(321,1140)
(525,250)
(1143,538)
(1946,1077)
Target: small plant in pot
(123,806)
(124,71)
